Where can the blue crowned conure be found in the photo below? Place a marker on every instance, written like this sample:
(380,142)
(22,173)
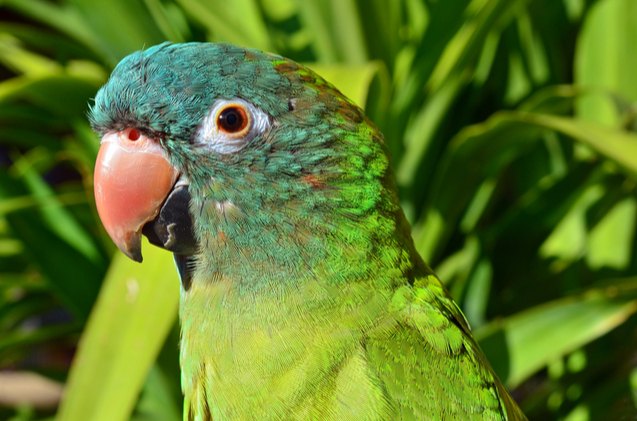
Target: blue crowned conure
(302,295)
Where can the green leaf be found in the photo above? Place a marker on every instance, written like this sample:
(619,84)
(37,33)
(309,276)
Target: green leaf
(156,402)
(63,18)
(335,30)
(617,145)
(171,23)
(457,39)
(482,150)
(223,23)
(54,214)
(354,81)
(129,323)
(24,61)
(603,60)
(135,27)
(46,91)
(72,276)
(522,344)
(610,241)
(568,240)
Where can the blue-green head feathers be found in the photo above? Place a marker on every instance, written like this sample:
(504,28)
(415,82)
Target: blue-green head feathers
(312,133)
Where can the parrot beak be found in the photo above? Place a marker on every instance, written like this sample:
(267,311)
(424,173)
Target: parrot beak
(133,178)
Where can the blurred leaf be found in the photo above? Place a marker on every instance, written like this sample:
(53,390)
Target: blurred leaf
(442,77)
(225,24)
(617,145)
(60,262)
(135,27)
(610,241)
(336,30)
(19,341)
(23,61)
(64,18)
(482,150)
(156,402)
(568,240)
(59,220)
(171,23)
(543,334)
(46,91)
(353,81)
(161,398)
(610,31)
(136,308)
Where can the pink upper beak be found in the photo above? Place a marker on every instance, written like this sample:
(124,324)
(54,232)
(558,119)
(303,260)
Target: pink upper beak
(132,179)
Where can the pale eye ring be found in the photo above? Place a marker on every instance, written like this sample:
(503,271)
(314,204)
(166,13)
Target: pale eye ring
(234,120)
(230,125)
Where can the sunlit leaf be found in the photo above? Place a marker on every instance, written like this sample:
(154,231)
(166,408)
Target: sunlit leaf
(540,335)
(602,60)
(134,312)
(224,24)
(481,151)
(353,81)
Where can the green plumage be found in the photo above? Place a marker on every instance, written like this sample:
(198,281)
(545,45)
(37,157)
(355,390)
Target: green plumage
(308,299)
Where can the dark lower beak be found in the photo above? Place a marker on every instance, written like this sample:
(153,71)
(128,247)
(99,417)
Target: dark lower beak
(172,230)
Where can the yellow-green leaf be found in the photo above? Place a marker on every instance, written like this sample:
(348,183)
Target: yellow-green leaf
(129,323)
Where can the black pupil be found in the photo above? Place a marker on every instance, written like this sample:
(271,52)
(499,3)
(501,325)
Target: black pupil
(231,120)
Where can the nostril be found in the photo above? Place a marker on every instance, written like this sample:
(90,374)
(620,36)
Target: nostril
(133,134)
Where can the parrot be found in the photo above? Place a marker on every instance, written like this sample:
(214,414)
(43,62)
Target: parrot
(302,295)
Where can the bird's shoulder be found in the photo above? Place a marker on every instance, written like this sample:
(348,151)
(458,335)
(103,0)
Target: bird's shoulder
(429,363)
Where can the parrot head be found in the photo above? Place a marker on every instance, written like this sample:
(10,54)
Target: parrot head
(212,143)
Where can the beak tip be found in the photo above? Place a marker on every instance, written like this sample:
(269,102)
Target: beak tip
(136,256)
(131,246)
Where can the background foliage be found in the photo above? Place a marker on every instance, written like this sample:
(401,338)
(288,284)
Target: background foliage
(512,129)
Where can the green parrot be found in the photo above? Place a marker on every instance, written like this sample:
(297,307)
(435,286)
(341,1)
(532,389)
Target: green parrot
(302,295)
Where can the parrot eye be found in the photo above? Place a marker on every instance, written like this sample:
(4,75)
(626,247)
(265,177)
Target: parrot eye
(230,125)
(234,120)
